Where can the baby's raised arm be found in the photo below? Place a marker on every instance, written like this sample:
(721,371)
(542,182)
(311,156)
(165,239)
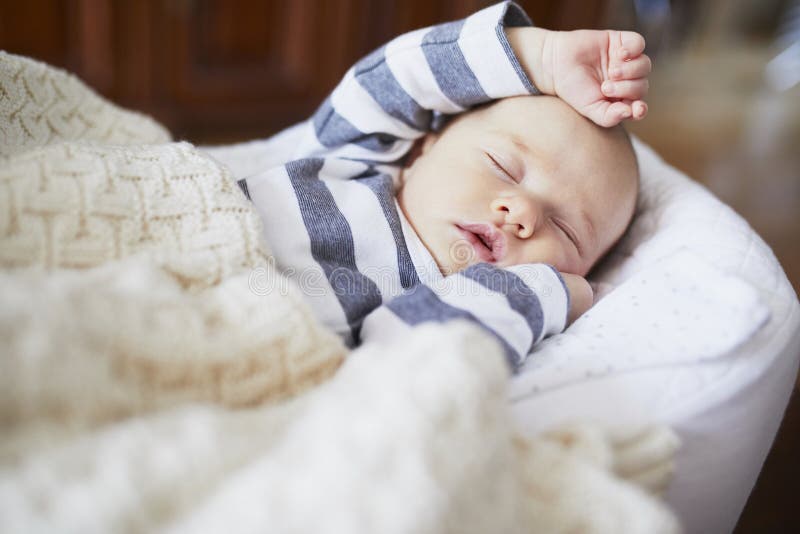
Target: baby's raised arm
(600,73)
(402,90)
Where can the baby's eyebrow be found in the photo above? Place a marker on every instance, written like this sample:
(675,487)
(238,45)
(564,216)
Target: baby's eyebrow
(519,143)
(512,138)
(531,152)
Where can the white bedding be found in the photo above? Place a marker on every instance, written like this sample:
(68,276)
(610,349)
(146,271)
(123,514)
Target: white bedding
(723,387)
(711,345)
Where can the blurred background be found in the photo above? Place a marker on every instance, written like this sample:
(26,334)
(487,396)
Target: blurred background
(724,98)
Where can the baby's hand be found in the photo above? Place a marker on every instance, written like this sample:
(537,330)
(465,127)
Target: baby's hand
(600,73)
(581,295)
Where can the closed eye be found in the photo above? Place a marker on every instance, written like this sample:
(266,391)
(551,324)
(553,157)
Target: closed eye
(567,231)
(505,175)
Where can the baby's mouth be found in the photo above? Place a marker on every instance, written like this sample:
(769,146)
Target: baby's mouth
(487,241)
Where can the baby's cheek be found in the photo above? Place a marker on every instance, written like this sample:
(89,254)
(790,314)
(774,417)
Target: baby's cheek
(548,251)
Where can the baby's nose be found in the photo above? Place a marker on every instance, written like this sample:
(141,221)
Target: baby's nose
(518,212)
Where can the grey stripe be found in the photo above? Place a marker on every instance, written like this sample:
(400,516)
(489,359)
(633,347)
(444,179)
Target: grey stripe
(382,186)
(396,162)
(439,121)
(243,186)
(334,130)
(376,78)
(521,298)
(420,304)
(501,36)
(515,16)
(332,243)
(452,73)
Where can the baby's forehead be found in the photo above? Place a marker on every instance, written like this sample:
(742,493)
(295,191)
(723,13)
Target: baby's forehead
(550,126)
(548,117)
(532,108)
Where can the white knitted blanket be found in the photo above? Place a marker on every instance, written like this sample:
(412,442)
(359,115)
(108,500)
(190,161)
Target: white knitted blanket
(145,387)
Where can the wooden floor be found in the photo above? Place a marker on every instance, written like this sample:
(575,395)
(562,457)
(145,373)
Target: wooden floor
(713,116)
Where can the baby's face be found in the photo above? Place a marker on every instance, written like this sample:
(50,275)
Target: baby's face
(524,180)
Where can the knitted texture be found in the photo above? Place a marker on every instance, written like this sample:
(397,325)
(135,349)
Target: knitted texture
(161,311)
(40,105)
(83,349)
(80,204)
(411,439)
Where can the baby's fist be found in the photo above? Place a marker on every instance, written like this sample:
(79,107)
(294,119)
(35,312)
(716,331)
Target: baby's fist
(602,74)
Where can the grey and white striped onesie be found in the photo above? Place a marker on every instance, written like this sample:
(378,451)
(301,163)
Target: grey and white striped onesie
(330,213)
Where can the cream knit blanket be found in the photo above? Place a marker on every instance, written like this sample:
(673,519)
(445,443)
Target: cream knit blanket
(145,387)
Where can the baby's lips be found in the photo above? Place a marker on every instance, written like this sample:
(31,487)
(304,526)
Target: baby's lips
(489,234)
(499,245)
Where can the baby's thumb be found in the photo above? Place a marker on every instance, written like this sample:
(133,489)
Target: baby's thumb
(608,114)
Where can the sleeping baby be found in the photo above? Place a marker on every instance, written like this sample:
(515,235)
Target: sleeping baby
(473,170)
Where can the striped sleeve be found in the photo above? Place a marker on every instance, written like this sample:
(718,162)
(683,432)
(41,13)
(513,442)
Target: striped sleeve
(400,91)
(518,306)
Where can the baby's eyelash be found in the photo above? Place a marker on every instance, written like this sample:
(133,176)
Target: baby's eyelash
(561,226)
(500,168)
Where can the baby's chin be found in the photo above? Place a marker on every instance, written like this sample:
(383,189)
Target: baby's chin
(455,256)
(452,260)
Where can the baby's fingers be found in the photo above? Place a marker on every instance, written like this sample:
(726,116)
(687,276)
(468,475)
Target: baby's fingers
(626,89)
(608,114)
(639,110)
(631,70)
(629,45)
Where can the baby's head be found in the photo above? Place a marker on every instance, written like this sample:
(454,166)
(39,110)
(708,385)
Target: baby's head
(522,180)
